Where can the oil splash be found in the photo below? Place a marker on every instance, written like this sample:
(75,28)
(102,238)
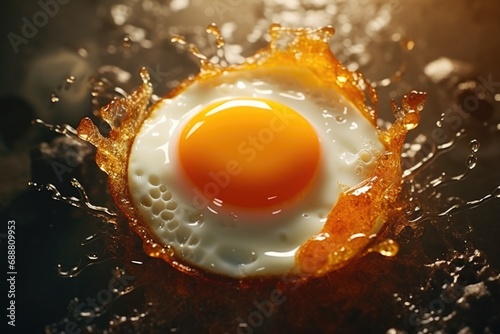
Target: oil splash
(366,206)
(420,190)
(81,202)
(102,246)
(442,230)
(109,219)
(422,170)
(83,314)
(333,247)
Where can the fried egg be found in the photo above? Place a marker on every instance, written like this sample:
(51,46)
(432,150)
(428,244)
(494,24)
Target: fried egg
(239,170)
(269,167)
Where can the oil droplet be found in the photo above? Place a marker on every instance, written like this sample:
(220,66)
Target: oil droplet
(65,129)
(81,202)
(219,43)
(471,161)
(496,192)
(409,45)
(178,39)
(145,77)
(193,49)
(342,79)
(474,145)
(388,248)
(411,120)
(126,42)
(83,53)
(214,30)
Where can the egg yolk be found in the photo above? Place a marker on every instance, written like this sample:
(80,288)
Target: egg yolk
(249,153)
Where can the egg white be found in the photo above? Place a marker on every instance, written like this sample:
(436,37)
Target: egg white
(231,243)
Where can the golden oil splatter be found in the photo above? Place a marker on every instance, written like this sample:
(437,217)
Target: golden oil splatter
(363,209)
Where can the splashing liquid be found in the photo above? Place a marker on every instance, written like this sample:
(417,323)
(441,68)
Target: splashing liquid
(82,203)
(372,201)
(182,287)
(363,209)
(314,257)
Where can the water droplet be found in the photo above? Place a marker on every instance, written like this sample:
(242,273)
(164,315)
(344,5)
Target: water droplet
(471,161)
(54,98)
(474,145)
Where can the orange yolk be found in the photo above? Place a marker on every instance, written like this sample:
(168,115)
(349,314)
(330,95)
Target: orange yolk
(250,153)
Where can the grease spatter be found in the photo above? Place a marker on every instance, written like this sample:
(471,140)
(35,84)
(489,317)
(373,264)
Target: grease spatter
(388,248)
(377,197)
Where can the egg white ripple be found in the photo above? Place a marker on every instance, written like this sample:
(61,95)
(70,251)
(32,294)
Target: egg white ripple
(235,245)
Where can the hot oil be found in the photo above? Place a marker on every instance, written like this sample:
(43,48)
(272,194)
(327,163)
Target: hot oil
(172,298)
(440,229)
